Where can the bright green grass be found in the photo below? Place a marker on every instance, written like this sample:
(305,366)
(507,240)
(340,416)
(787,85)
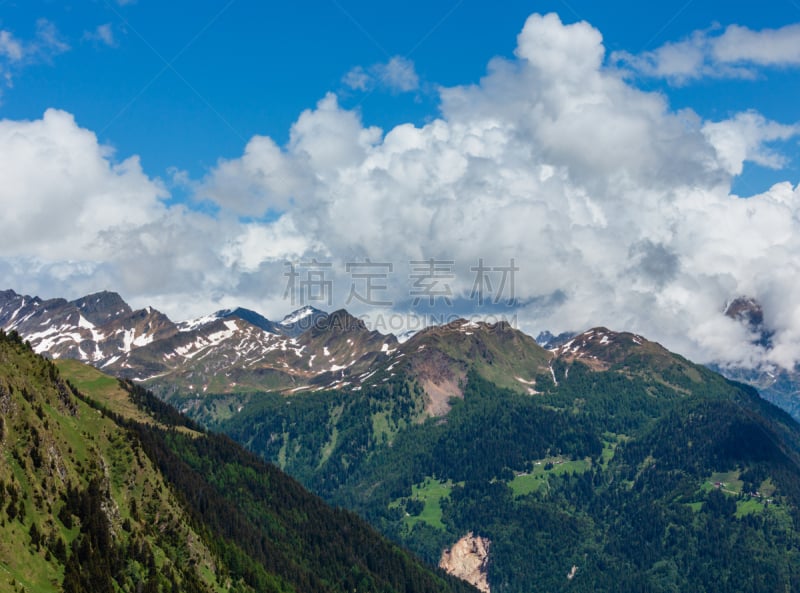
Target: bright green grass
(731,485)
(88,379)
(328,448)
(523,484)
(105,390)
(750,506)
(527,483)
(431,492)
(767,488)
(380,427)
(730,482)
(610,442)
(282,452)
(100,387)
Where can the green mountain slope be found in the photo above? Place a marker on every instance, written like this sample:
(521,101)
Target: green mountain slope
(438,359)
(115,491)
(82,506)
(624,467)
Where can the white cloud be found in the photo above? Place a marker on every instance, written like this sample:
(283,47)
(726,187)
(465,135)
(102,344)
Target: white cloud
(357,79)
(10,47)
(48,42)
(263,178)
(102,34)
(57,177)
(322,142)
(16,54)
(598,191)
(616,208)
(76,219)
(768,47)
(735,52)
(398,75)
(745,137)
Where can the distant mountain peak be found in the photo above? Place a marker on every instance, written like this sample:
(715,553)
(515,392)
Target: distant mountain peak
(7,295)
(748,311)
(299,315)
(341,321)
(95,328)
(745,309)
(405,336)
(439,358)
(301,320)
(252,318)
(104,298)
(465,326)
(101,307)
(548,341)
(599,347)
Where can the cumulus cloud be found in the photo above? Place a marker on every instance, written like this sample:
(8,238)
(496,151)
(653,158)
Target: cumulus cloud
(357,79)
(57,177)
(70,209)
(398,75)
(323,142)
(746,137)
(76,220)
(736,52)
(613,208)
(604,196)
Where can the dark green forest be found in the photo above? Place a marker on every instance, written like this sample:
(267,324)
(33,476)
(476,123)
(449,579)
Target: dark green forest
(647,476)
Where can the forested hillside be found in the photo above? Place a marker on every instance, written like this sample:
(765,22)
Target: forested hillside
(116,491)
(628,469)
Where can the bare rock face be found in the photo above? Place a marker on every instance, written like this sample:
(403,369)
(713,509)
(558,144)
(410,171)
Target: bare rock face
(748,311)
(468,560)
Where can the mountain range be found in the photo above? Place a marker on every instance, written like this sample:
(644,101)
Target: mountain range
(239,350)
(601,463)
(230,350)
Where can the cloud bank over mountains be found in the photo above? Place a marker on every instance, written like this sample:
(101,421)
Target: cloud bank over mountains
(616,208)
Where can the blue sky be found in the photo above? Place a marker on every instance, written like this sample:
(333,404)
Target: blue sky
(184,83)
(638,163)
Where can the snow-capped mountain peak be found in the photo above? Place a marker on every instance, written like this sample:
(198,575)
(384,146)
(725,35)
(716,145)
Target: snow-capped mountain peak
(298,315)
(93,328)
(197,323)
(305,318)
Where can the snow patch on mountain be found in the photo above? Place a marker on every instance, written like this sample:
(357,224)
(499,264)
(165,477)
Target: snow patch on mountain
(193,324)
(298,315)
